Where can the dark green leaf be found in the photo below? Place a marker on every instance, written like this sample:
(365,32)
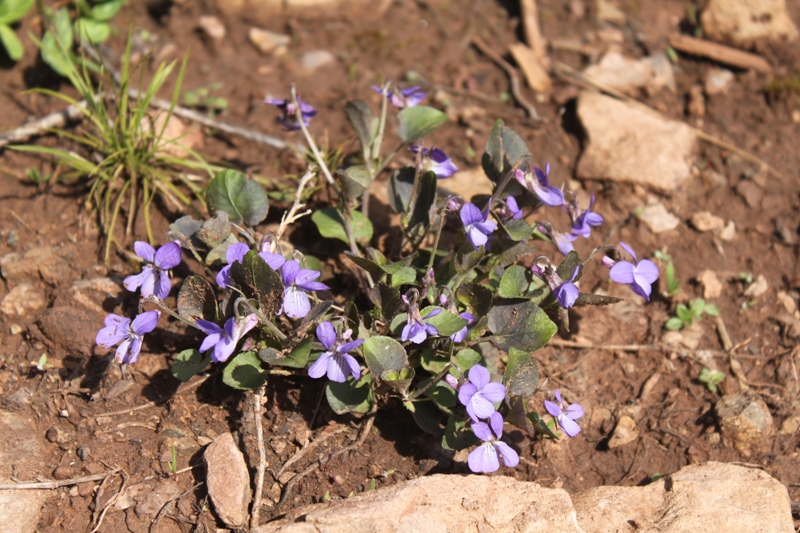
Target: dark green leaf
(444,395)
(297,358)
(421,210)
(504,149)
(404,276)
(522,373)
(387,299)
(540,425)
(360,116)
(456,437)
(567,267)
(467,258)
(399,190)
(432,361)
(197,299)
(418,121)
(514,283)
(317,312)
(355,180)
(254,277)
(243,199)
(467,358)
(429,418)
(215,230)
(189,363)
(446,323)
(510,251)
(384,353)
(521,325)
(518,229)
(330,224)
(477,297)
(350,396)
(595,299)
(184,230)
(244,372)
(367,264)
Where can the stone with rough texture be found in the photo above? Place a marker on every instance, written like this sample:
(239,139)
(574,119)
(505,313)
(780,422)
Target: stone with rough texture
(697,498)
(705,221)
(744,22)
(717,81)
(712,287)
(745,422)
(622,73)
(52,264)
(267,41)
(658,219)
(24,300)
(212,26)
(316,59)
(624,433)
(442,503)
(631,144)
(21,456)
(227,480)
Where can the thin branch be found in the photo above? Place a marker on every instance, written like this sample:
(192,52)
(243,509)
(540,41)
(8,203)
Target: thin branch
(610,347)
(258,407)
(41,485)
(308,447)
(292,215)
(53,120)
(185,388)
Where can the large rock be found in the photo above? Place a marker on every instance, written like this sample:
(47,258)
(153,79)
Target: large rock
(442,503)
(23,300)
(22,454)
(227,480)
(633,144)
(745,422)
(708,497)
(53,264)
(628,75)
(744,22)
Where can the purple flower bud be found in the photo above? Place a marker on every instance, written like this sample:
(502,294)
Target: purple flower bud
(405,98)
(584,221)
(548,194)
(454,203)
(565,291)
(289,118)
(452,381)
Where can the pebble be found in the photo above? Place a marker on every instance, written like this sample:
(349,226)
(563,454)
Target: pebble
(697,102)
(608,12)
(24,300)
(717,81)
(658,219)
(316,59)
(745,422)
(790,425)
(750,192)
(757,288)
(744,22)
(787,301)
(705,221)
(712,288)
(624,433)
(15,329)
(57,436)
(620,72)
(267,41)
(227,480)
(212,26)
(728,233)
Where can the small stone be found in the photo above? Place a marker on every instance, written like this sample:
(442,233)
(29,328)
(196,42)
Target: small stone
(658,219)
(744,22)
(714,438)
(204,441)
(705,221)
(316,59)
(757,288)
(790,425)
(15,329)
(83,452)
(24,300)
(212,26)
(624,433)
(796,116)
(691,336)
(745,422)
(752,193)
(714,178)
(267,41)
(622,73)
(717,81)
(608,12)
(728,233)
(57,436)
(227,480)
(63,472)
(277,445)
(712,288)
(787,301)
(577,8)
(151,502)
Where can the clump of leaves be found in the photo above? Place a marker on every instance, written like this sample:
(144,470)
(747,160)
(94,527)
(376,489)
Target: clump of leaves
(686,316)
(711,379)
(11,12)
(127,162)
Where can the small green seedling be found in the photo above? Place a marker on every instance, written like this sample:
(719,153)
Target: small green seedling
(172,466)
(11,12)
(746,278)
(40,365)
(203,99)
(711,379)
(38,177)
(673,283)
(686,316)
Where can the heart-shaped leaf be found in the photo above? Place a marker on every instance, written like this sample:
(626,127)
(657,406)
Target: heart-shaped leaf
(244,200)
(418,121)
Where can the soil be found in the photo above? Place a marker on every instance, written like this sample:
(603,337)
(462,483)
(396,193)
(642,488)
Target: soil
(676,424)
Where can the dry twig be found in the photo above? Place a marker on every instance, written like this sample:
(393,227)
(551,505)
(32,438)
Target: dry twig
(41,485)
(530,23)
(98,521)
(258,408)
(185,388)
(308,447)
(610,347)
(719,52)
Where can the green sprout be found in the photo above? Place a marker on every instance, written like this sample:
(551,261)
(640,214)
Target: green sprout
(673,283)
(203,99)
(11,12)
(711,379)
(686,316)
(40,365)
(172,466)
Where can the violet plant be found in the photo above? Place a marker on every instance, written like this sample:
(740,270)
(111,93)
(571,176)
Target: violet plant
(419,320)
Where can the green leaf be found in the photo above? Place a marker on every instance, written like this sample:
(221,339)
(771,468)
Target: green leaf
(330,224)
(428,417)
(433,361)
(197,299)
(521,325)
(297,358)
(387,299)
(674,324)
(189,363)
(540,425)
(367,264)
(475,296)
(355,180)
(467,258)
(215,230)
(254,277)
(421,210)
(107,10)
(243,199)
(682,312)
(13,10)
(504,149)
(399,189)
(467,358)
(244,372)
(360,116)
(696,307)
(11,42)
(446,323)
(57,43)
(218,254)
(711,310)
(514,283)
(418,121)
(566,269)
(404,276)
(398,381)
(350,396)
(95,30)
(518,229)
(455,435)
(444,395)
(384,353)
(522,373)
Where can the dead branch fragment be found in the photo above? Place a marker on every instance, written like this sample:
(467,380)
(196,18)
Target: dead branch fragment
(530,23)
(719,52)
(41,485)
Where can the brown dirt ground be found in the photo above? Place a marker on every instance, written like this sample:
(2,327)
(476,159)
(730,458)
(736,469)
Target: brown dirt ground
(432,38)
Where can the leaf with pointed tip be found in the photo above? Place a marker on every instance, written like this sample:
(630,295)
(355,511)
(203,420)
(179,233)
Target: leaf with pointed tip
(477,297)
(568,266)
(514,283)
(384,353)
(256,279)
(521,325)
(504,149)
(197,299)
(297,358)
(399,189)
(446,323)
(244,200)
(418,121)
(330,224)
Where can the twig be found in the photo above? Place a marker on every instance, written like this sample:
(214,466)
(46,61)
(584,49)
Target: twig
(365,429)
(719,52)
(565,71)
(512,76)
(308,447)
(258,406)
(611,347)
(530,23)
(154,523)
(724,338)
(291,215)
(42,485)
(109,503)
(53,120)
(185,388)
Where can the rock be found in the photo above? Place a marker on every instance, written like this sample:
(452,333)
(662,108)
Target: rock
(536,75)
(267,41)
(664,75)
(316,59)
(52,264)
(744,22)
(15,329)
(697,102)
(712,288)
(790,425)
(608,12)
(658,219)
(787,301)
(22,454)
(717,81)
(227,480)
(705,221)
(212,26)
(624,433)
(150,502)
(622,73)
(624,139)
(728,233)
(731,497)
(58,436)
(24,300)
(750,192)
(745,422)
(440,503)
(757,288)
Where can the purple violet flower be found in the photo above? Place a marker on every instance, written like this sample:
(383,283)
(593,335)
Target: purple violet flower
(224,340)
(548,194)
(435,160)
(476,225)
(584,221)
(639,275)
(565,291)
(565,415)
(406,98)
(120,329)
(512,208)
(154,277)
(484,458)
(335,362)
(296,281)
(289,120)
(236,253)
(563,241)
(478,394)
(461,334)
(417,329)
